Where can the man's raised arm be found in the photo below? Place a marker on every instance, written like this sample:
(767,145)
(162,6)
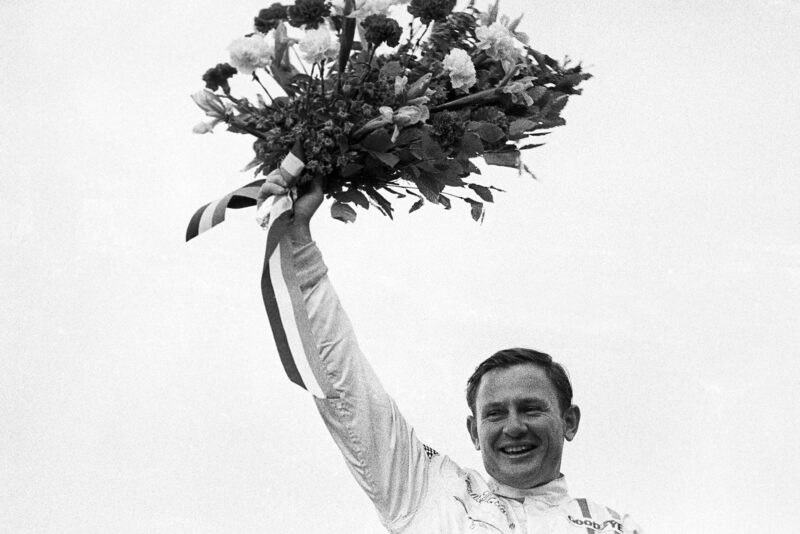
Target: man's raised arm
(380,448)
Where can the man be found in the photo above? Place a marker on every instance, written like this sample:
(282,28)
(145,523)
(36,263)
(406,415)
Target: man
(522,412)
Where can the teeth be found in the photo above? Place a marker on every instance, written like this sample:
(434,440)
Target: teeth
(517,449)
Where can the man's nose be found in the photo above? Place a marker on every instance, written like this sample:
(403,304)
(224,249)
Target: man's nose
(514,426)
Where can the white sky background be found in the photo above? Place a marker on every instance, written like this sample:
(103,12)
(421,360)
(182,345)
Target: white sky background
(657,257)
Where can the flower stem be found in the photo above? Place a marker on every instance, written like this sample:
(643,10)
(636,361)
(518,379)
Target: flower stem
(322,82)
(367,72)
(255,77)
(481,95)
(411,32)
(302,64)
(310,86)
(421,36)
(407,187)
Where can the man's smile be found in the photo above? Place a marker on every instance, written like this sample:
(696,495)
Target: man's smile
(518,450)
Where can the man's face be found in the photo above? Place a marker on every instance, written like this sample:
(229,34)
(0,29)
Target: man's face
(518,426)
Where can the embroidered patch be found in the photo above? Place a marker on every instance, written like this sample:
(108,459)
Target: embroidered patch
(486,496)
(429,451)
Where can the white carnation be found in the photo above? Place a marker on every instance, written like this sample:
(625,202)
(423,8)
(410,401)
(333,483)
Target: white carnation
(318,45)
(461,69)
(365,8)
(250,53)
(499,43)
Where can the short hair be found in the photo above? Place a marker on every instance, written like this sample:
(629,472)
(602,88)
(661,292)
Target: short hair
(519,356)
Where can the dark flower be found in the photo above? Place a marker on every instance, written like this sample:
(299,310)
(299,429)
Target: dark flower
(309,13)
(218,76)
(454,30)
(447,127)
(431,10)
(492,115)
(381,29)
(269,18)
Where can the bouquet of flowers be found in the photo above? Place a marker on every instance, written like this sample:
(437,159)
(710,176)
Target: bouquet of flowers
(393,113)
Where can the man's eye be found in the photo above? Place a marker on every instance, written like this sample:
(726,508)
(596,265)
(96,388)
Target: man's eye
(493,414)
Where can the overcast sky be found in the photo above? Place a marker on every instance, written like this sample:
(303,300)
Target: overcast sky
(657,256)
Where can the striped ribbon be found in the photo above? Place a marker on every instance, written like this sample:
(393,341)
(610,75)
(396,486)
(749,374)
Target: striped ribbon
(280,289)
(213,213)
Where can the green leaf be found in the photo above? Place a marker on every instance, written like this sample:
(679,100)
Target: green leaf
(343,212)
(537,92)
(471,145)
(392,69)
(407,136)
(351,169)
(429,187)
(389,159)
(430,149)
(416,152)
(427,166)
(464,164)
(416,205)
(377,141)
(253,164)
(353,195)
(343,142)
(552,123)
(558,103)
(449,174)
(301,78)
(398,194)
(476,209)
(520,126)
(444,201)
(487,113)
(504,159)
(526,147)
(530,172)
(484,192)
(384,205)
(490,133)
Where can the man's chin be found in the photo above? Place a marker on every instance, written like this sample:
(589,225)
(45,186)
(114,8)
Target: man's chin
(520,477)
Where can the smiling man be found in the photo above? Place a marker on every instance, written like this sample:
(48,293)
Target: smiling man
(521,415)
(522,411)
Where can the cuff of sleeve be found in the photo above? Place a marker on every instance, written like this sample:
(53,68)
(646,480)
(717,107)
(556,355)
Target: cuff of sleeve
(309,264)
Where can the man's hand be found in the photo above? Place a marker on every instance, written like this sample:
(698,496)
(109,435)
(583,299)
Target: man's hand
(305,205)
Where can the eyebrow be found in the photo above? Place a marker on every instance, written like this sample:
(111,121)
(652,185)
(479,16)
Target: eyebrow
(529,401)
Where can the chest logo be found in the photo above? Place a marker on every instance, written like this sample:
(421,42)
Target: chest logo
(610,525)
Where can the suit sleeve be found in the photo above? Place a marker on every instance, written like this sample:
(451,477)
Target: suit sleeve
(378,445)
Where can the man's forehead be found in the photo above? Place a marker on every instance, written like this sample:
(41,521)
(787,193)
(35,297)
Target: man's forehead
(524,381)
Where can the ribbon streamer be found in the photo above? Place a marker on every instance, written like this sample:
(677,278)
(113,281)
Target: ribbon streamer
(280,289)
(213,213)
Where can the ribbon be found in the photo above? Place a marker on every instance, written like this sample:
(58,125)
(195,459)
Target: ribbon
(213,213)
(280,289)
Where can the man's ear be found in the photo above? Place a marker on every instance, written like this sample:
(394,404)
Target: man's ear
(572,419)
(472,428)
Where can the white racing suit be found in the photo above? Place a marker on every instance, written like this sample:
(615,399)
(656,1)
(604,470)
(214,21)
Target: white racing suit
(414,488)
